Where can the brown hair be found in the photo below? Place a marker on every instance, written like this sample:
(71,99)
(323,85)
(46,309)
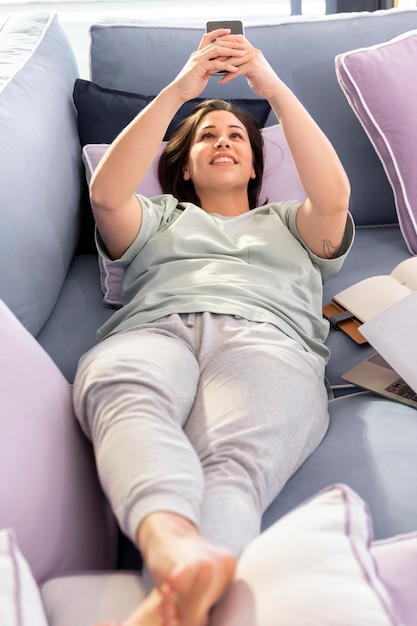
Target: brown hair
(175,154)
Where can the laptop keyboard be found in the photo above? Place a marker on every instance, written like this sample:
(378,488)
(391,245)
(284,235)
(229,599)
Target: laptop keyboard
(400,388)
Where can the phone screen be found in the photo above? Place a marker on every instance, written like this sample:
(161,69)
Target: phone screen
(235,26)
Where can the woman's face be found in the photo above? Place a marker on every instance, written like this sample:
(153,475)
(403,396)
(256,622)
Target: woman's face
(220,156)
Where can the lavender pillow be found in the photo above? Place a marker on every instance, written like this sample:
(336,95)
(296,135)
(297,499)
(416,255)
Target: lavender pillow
(111,272)
(50,494)
(379,84)
(280,182)
(396,559)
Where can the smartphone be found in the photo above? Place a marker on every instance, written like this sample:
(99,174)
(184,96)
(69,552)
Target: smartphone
(236,28)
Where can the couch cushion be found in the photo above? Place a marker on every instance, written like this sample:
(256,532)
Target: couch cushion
(379,85)
(371,447)
(72,326)
(20,600)
(47,465)
(84,600)
(39,164)
(308,69)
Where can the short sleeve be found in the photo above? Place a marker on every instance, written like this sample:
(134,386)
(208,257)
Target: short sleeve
(156,212)
(328,267)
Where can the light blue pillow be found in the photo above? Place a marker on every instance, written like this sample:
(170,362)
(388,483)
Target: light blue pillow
(40,165)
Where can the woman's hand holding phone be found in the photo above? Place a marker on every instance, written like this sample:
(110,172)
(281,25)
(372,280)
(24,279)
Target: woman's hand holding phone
(234,26)
(217,52)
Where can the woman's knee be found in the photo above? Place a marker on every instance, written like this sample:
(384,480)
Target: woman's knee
(124,377)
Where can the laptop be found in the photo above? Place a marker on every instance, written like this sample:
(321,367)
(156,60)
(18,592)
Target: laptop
(391,371)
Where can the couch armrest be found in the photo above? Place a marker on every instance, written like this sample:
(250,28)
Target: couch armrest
(50,493)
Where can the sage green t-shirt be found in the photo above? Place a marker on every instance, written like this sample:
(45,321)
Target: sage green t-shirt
(254,265)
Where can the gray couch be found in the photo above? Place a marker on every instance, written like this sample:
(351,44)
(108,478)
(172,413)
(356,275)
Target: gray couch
(50,283)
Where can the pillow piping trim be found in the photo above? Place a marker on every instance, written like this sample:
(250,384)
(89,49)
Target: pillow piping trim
(16,577)
(34,49)
(348,531)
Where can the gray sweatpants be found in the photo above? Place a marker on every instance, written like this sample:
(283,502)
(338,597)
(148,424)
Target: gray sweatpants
(203,415)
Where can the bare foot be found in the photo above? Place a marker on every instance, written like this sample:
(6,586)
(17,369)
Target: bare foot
(197,570)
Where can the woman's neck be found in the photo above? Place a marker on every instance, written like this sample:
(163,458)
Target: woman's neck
(227,204)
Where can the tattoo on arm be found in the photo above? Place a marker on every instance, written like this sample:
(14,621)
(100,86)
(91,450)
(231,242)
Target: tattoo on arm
(329,250)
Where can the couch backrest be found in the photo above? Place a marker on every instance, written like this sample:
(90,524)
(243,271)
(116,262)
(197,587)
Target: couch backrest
(40,165)
(138,57)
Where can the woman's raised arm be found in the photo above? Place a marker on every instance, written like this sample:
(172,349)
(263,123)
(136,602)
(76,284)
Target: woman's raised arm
(116,208)
(321,219)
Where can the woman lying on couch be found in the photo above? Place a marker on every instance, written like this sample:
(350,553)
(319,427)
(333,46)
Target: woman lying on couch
(206,391)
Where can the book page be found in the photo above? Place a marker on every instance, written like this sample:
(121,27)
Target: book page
(371,296)
(406,273)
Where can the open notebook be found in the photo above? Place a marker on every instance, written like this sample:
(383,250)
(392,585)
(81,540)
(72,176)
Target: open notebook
(392,371)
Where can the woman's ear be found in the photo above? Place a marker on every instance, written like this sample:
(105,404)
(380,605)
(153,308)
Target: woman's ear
(253,173)
(185,173)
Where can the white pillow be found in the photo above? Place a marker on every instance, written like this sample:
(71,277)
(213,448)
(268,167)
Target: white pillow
(280,182)
(20,601)
(311,568)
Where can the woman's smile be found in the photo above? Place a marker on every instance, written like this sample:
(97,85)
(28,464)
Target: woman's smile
(223,160)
